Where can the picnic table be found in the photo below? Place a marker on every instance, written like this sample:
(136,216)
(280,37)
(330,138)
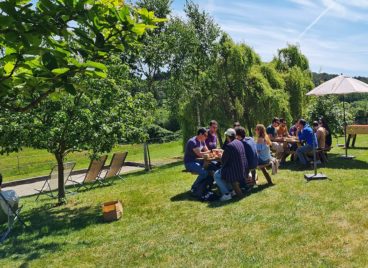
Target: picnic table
(288,149)
(352,131)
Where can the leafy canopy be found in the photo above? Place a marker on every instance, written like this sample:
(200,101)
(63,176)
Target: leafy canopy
(44,46)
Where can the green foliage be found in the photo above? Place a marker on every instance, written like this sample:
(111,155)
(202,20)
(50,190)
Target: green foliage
(290,57)
(294,67)
(159,134)
(360,111)
(99,116)
(44,46)
(332,110)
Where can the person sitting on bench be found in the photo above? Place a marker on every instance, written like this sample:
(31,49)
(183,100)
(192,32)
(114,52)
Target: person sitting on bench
(263,145)
(196,148)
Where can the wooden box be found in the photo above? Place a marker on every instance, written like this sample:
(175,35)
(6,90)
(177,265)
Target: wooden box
(112,210)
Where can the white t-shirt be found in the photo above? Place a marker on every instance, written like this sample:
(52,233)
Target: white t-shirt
(12,198)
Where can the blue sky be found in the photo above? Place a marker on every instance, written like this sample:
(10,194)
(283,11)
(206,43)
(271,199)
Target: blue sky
(333,34)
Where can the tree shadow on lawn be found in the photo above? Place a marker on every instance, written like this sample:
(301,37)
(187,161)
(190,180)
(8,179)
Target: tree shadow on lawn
(187,196)
(31,243)
(357,148)
(334,162)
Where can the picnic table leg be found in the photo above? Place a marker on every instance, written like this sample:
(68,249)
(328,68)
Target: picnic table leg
(348,141)
(237,189)
(353,143)
(267,175)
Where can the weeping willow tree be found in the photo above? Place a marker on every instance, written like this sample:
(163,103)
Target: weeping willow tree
(294,67)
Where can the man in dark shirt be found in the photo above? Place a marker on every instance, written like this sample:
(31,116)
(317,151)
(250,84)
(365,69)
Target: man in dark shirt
(271,130)
(234,165)
(250,148)
(211,141)
(196,148)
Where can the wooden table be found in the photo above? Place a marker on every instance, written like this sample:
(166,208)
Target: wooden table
(352,131)
(207,161)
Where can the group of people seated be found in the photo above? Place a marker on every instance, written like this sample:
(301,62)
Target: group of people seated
(316,136)
(241,154)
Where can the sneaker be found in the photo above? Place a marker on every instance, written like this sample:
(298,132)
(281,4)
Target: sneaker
(225,197)
(209,196)
(233,193)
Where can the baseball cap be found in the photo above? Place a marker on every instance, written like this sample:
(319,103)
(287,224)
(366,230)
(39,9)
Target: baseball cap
(230,132)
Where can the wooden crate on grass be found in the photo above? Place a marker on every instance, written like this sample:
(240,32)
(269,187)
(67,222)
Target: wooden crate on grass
(112,210)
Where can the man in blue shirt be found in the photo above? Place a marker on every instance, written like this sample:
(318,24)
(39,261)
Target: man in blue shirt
(307,136)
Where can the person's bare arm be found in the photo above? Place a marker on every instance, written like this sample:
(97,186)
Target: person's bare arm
(200,153)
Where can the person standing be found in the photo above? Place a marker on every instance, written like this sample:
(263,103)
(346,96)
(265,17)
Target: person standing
(307,136)
(234,166)
(211,141)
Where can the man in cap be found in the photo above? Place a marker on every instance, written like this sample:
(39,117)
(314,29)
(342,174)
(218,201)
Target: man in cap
(234,166)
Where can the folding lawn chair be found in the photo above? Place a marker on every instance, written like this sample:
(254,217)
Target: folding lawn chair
(51,182)
(116,164)
(12,214)
(93,173)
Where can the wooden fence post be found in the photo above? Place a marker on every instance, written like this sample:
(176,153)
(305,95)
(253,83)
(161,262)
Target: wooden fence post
(147,166)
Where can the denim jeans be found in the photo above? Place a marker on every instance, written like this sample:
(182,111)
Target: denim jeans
(197,167)
(224,187)
(302,153)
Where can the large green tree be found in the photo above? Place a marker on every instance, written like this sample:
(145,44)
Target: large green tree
(294,67)
(99,116)
(45,45)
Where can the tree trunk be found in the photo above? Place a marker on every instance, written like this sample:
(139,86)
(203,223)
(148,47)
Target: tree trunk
(219,137)
(198,115)
(61,187)
(250,130)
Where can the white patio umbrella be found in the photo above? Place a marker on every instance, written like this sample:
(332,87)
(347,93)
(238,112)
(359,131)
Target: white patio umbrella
(340,85)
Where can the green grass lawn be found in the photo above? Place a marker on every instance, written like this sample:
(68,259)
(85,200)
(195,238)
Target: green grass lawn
(292,224)
(31,162)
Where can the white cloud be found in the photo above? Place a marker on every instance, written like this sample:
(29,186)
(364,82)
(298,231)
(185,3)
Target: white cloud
(333,40)
(307,3)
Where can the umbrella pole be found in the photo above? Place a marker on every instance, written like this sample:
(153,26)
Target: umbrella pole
(315,176)
(346,156)
(343,107)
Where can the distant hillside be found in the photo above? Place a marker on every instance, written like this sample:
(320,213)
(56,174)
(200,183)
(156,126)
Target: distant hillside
(319,78)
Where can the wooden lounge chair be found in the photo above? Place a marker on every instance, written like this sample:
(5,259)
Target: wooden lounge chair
(116,164)
(93,174)
(51,182)
(12,214)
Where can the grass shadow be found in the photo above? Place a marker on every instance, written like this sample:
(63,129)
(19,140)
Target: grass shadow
(48,221)
(334,162)
(185,196)
(357,148)
(259,188)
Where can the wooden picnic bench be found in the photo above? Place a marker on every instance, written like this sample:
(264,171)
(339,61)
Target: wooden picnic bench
(267,175)
(352,131)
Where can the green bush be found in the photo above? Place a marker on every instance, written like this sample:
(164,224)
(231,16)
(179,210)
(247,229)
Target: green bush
(159,134)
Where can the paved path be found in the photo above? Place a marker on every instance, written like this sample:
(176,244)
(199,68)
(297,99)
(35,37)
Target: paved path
(29,189)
